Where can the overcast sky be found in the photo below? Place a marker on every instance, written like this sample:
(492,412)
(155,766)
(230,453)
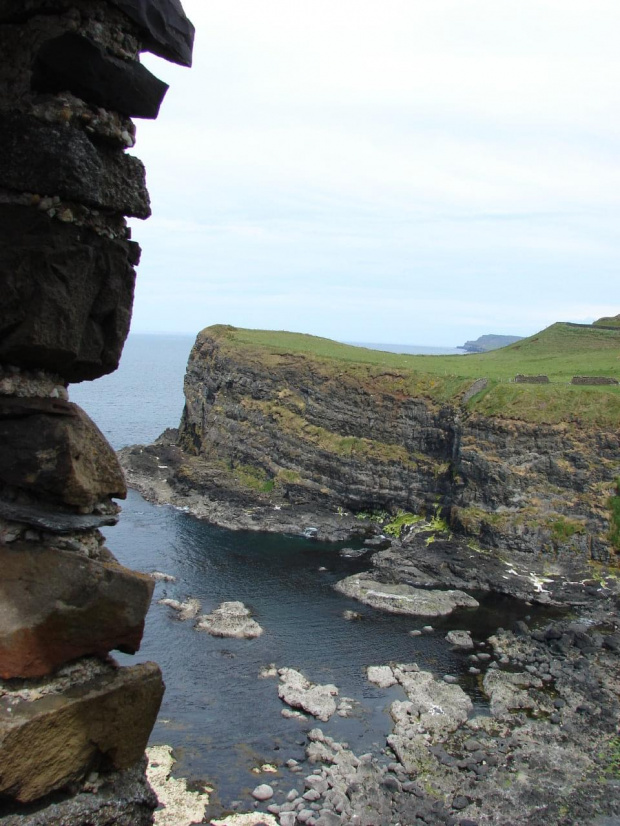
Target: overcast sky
(411,171)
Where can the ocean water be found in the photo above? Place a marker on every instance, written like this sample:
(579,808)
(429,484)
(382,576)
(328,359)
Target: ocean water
(220,717)
(411,349)
(144,396)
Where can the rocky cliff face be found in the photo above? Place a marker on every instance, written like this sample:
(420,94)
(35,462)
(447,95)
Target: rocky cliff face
(73,724)
(292,427)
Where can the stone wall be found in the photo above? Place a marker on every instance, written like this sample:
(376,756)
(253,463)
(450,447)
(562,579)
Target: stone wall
(593,380)
(521,379)
(73,724)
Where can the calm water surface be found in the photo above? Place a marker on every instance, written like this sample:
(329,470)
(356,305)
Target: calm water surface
(220,717)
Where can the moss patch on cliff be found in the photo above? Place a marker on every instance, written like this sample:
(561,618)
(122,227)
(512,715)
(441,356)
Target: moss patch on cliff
(400,521)
(614,522)
(289,422)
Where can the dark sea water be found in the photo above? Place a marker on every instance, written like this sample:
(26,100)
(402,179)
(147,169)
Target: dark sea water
(219,716)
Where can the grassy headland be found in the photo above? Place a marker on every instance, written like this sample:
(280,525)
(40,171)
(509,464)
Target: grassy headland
(560,352)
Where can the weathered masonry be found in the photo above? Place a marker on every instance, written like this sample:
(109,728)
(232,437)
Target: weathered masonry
(73,724)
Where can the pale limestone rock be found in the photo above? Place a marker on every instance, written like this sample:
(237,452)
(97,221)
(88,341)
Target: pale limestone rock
(404,599)
(230,619)
(246,819)
(381,675)
(179,806)
(187,610)
(460,639)
(299,692)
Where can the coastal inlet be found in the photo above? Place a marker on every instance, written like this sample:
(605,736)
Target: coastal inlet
(221,718)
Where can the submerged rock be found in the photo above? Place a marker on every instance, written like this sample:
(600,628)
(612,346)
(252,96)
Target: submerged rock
(404,599)
(299,692)
(290,714)
(160,576)
(187,610)
(460,639)
(230,619)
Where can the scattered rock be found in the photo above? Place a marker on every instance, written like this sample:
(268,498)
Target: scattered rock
(159,576)
(263,792)
(298,692)
(249,819)
(290,714)
(186,610)
(381,675)
(353,553)
(404,599)
(230,619)
(460,639)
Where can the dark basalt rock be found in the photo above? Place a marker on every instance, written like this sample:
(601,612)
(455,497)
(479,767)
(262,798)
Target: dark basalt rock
(55,521)
(53,160)
(164,28)
(52,449)
(74,63)
(123,798)
(56,606)
(67,295)
(167,31)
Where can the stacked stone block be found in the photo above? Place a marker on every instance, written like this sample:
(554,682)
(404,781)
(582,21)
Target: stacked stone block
(73,724)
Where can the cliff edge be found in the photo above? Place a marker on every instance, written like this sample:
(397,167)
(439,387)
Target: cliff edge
(274,420)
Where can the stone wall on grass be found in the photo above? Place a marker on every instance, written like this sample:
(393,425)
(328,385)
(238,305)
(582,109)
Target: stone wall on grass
(521,379)
(593,380)
(73,723)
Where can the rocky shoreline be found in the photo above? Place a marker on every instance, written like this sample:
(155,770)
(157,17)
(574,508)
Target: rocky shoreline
(548,750)
(153,469)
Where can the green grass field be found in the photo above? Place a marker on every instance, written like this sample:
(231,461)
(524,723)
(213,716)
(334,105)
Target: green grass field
(560,352)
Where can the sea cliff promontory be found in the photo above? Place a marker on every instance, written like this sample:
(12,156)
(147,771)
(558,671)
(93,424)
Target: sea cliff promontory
(285,421)
(460,488)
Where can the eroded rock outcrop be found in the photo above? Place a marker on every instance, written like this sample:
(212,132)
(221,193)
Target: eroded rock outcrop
(73,724)
(272,426)
(403,599)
